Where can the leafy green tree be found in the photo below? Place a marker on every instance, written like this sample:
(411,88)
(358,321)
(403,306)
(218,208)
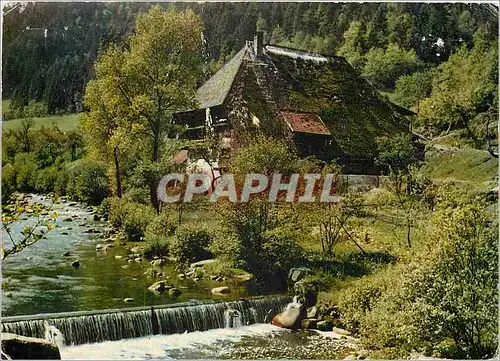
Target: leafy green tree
(24,134)
(445,302)
(264,155)
(102,123)
(352,46)
(412,89)
(398,155)
(460,294)
(462,87)
(384,67)
(155,76)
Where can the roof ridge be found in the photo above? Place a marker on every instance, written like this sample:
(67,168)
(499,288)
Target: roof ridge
(283,50)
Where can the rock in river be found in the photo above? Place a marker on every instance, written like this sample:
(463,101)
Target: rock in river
(202,263)
(221,290)
(75,264)
(291,318)
(159,286)
(296,274)
(174,292)
(21,347)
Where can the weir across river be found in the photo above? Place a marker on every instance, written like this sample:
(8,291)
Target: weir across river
(109,325)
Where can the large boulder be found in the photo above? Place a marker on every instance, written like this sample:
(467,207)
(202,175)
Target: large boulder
(309,323)
(174,292)
(157,262)
(28,348)
(290,318)
(296,274)
(312,312)
(308,291)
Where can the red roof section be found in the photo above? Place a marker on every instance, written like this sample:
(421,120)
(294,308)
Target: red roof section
(305,123)
(180,157)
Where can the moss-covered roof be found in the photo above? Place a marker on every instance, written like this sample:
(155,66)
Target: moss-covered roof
(284,80)
(350,107)
(215,90)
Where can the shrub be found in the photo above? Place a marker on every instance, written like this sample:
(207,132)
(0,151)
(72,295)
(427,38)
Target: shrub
(26,172)
(138,195)
(159,247)
(221,268)
(161,226)
(90,182)
(8,181)
(136,221)
(280,252)
(227,247)
(191,245)
(46,179)
(61,182)
(103,209)
(445,303)
(132,217)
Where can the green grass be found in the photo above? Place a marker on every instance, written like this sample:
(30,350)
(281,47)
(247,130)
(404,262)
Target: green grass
(63,122)
(463,165)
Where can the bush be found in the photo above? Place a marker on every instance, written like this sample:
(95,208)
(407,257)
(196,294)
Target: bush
(89,182)
(8,181)
(227,247)
(159,247)
(445,303)
(132,217)
(161,227)
(46,179)
(103,209)
(221,268)
(26,172)
(191,245)
(280,252)
(61,182)
(136,221)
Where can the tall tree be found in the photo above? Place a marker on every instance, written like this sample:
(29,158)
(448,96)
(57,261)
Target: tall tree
(152,78)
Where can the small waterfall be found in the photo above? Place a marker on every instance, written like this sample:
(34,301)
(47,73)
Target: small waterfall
(110,325)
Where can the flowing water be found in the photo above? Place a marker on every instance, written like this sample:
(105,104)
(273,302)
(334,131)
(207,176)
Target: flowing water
(76,328)
(40,279)
(257,341)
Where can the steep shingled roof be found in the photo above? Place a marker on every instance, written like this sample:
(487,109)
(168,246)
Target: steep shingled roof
(215,90)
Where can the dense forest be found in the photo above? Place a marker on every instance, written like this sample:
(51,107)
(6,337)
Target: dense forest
(49,48)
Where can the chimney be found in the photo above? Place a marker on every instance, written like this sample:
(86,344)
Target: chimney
(258,43)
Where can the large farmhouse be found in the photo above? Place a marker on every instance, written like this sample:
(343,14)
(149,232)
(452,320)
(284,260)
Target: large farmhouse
(319,103)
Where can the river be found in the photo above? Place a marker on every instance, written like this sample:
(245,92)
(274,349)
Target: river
(41,279)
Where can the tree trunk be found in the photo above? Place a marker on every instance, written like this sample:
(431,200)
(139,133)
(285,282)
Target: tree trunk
(118,175)
(408,234)
(153,184)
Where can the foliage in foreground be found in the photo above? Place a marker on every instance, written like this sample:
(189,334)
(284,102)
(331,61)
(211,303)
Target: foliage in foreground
(445,302)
